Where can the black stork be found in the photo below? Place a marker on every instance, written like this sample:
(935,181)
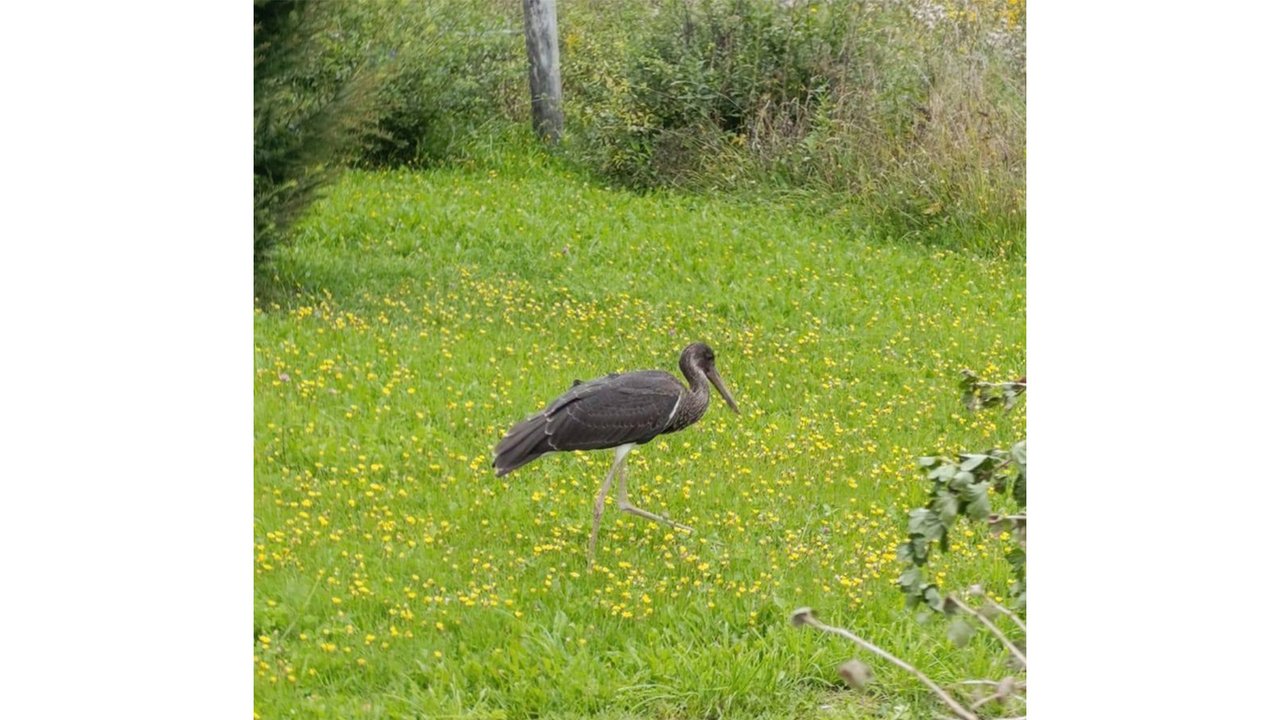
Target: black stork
(617,411)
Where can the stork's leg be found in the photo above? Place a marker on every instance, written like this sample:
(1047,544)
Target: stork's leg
(619,459)
(625,505)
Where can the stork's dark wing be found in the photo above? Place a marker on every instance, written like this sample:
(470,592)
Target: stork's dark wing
(601,413)
(611,411)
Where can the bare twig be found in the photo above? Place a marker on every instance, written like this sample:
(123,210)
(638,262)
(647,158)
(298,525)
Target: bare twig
(977,590)
(1004,690)
(992,627)
(1016,685)
(979,703)
(1000,384)
(805,616)
(1009,614)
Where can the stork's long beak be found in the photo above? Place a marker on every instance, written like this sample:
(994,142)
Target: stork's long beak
(724,391)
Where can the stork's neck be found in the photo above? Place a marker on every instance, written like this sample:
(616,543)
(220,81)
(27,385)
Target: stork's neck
(699,387)
(694,401)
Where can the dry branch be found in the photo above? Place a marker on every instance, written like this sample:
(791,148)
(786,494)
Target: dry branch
(1007,613)
(990,626)
(805,616)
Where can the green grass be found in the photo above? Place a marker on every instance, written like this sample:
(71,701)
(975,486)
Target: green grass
(424,313)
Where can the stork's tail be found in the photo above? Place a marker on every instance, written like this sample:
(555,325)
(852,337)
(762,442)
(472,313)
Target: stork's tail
(526,442)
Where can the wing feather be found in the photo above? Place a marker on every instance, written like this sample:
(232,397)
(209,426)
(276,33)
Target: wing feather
(612,411)
(602,413)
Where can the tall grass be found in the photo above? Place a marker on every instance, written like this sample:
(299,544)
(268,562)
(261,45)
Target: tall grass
(909,115)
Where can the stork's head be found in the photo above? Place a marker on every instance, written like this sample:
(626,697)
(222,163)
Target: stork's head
(700,358)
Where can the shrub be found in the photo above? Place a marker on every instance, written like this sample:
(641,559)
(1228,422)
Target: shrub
(911,113)
(453,73)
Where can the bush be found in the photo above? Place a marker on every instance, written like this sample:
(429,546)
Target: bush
(453,73)
(912,113)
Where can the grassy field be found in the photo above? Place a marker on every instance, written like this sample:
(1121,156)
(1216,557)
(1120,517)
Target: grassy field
(421,314)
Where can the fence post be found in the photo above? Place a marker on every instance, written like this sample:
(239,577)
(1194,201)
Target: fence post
(541,41)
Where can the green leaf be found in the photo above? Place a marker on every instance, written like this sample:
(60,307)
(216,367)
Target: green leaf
(1020,489)
(976,503)
(946,506)
(905,553)
(927,461)
(973,461)
(1018,559)
(916,520)
(959,632)
(910,581)
(932,597)
(973,491)
(961,480)
(949,605)
(1011,393)
(943,472)
(925,523)
(920,550)
(979,508)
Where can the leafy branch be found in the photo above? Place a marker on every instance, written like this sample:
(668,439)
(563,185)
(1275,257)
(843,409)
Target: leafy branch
(960,487)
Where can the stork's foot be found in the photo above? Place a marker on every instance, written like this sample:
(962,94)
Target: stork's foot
(627,507)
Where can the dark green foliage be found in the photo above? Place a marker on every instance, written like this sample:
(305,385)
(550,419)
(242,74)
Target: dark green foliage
(309,104)
(960,488)
(912,127)
(699,77)
(454,72)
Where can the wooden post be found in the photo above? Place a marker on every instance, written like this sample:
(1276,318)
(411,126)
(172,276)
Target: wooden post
(542,42)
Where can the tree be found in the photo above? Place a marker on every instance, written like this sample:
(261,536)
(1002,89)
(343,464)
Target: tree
(307,112)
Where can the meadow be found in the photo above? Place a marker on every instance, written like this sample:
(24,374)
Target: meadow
(419,314)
